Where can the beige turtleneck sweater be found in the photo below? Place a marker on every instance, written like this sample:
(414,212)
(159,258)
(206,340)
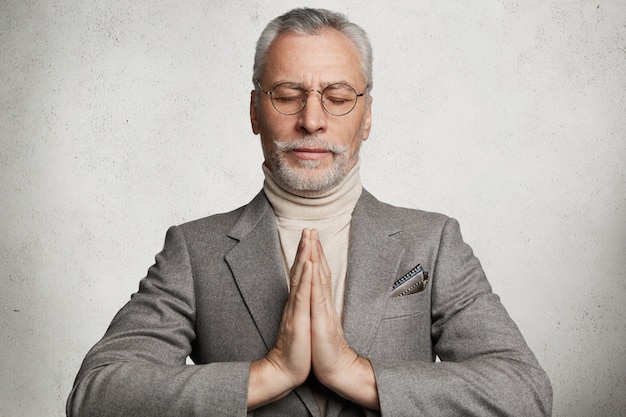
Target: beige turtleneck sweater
(329,213)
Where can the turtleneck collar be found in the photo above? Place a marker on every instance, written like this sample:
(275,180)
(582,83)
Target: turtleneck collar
(336,201)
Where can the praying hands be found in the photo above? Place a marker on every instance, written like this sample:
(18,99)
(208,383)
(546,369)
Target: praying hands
(311,339)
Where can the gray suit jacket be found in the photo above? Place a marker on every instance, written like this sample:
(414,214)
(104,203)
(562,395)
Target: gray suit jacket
(217,291)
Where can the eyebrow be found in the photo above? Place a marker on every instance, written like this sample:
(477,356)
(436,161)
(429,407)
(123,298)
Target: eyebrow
(323,84)
(290,84)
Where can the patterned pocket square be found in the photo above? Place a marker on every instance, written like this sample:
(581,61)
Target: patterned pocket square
(412,282)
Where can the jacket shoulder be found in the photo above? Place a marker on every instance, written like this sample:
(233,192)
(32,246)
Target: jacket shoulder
(218,222)
(402,217)
(234,224)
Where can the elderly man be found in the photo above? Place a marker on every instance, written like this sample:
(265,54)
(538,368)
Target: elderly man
(315,298)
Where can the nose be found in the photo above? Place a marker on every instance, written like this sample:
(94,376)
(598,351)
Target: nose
(313,118)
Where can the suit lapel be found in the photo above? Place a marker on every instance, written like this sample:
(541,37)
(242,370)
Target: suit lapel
(373,260)
(257,266)
(373,263)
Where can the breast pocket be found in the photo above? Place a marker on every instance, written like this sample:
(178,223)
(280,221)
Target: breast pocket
(404,331)
(408,305)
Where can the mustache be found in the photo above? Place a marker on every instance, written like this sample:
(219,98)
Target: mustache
(309,141)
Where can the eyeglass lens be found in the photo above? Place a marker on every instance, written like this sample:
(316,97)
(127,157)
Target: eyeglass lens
(337,99)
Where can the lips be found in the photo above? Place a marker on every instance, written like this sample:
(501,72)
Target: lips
(311,153)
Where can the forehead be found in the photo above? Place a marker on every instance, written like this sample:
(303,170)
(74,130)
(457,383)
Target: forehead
(329,56)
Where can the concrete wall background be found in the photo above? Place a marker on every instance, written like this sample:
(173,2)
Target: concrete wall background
(118,119)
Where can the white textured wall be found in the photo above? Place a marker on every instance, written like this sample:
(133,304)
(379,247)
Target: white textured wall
(120,118)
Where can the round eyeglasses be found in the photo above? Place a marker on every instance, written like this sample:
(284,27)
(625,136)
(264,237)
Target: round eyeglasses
(290,98)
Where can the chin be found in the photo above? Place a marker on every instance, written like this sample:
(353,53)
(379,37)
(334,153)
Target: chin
(308,179)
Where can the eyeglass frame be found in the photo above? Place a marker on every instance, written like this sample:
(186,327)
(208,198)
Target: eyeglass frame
(306,96)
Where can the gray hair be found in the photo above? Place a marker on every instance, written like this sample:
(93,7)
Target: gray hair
(308,21)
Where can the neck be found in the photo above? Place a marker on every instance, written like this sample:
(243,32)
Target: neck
(324,204)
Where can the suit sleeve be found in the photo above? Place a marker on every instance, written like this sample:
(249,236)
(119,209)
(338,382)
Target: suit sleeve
(138,368)
(486,367)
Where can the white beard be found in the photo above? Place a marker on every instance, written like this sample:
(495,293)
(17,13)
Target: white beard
(307,177)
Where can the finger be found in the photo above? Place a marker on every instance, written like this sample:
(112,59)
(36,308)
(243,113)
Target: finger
(315,238)
(323,260)
(329,348)
(299,302)
(317,253)
(297,313)
(326,334)
(320,258)
(319,300)
(292,351)
(302,294)
(303,254)
(297,269)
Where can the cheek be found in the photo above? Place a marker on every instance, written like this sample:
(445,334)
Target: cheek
(273,127)
(267,143)
(355,147)
(356,137)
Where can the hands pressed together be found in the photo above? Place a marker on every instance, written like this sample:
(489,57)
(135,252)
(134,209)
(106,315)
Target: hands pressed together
(311,339)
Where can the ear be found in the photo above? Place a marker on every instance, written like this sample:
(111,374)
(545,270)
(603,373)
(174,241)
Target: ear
(254,118)
(367,119)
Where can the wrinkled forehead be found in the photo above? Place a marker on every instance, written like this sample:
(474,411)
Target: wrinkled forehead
(325,58)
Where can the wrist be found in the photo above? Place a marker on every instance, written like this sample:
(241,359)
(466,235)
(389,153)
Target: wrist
(266,383)
(357,383)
